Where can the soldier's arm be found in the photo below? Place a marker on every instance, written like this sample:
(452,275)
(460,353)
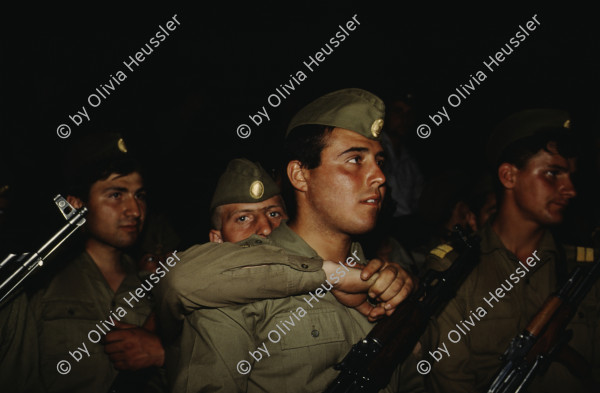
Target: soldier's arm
(219,275)
(387,282)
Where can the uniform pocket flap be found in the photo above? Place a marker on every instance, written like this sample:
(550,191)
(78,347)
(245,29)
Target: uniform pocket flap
(314,328)
(80,309)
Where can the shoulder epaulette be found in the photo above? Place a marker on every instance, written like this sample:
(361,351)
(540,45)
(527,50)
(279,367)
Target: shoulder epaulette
(253,240)
(441,251)
(585,254)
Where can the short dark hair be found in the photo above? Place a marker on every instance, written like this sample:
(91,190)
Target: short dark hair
(305,144)
(519,152)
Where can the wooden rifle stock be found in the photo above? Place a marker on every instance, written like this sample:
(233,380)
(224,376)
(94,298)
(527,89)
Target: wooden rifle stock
(545,338)
(371,362)
(397,337)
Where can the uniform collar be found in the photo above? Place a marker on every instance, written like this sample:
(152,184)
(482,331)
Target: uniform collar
(284,237)
(490,242)
(88,265)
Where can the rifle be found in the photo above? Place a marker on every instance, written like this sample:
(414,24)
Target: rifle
(531,352)
(17,268)
(371,362)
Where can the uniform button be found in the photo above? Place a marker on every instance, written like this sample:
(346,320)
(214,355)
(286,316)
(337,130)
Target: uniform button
(113,303)
(315,333)
(71,312)
(304,266)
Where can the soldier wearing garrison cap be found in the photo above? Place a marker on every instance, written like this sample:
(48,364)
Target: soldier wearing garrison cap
(246,201)
(533,158)
(526,124)
(89,156)
(353,109)
(92,288)
(333,165)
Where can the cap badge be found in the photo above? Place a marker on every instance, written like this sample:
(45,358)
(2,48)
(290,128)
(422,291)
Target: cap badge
(121,145)
(376,127)
(257,189)
(567,124)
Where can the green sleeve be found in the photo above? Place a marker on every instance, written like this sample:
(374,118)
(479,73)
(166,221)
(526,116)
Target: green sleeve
(19,361)
(225,274)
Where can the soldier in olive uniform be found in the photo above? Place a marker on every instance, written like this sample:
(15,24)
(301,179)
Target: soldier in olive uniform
(84,306)
(335,168)
(532,152)
(236,213)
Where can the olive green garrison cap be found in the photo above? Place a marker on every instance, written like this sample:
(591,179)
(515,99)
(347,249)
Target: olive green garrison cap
(92,152)
(243,182)
(353,109)
(522,125)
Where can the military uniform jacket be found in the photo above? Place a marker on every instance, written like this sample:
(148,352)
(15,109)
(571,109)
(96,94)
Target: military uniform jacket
(474,354)
(288,344)
(225,274)
(18,347)
(77,301)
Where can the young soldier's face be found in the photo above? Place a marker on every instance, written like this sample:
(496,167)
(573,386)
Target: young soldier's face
(117,209)
(346,191)
(543,187)
(241,220)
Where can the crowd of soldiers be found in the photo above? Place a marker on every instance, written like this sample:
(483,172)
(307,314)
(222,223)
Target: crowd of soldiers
(200,320)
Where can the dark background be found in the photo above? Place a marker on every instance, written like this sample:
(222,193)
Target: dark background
(180,108)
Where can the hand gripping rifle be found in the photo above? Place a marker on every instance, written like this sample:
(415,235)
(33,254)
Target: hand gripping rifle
(545,338)
(371,362)
(17,268)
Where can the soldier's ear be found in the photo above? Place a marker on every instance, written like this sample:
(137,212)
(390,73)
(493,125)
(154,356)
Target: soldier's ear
(215,236)
(297,175)
(75,202)
(472,221)
(507,175)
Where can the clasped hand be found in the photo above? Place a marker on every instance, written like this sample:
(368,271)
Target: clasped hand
(386,282)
